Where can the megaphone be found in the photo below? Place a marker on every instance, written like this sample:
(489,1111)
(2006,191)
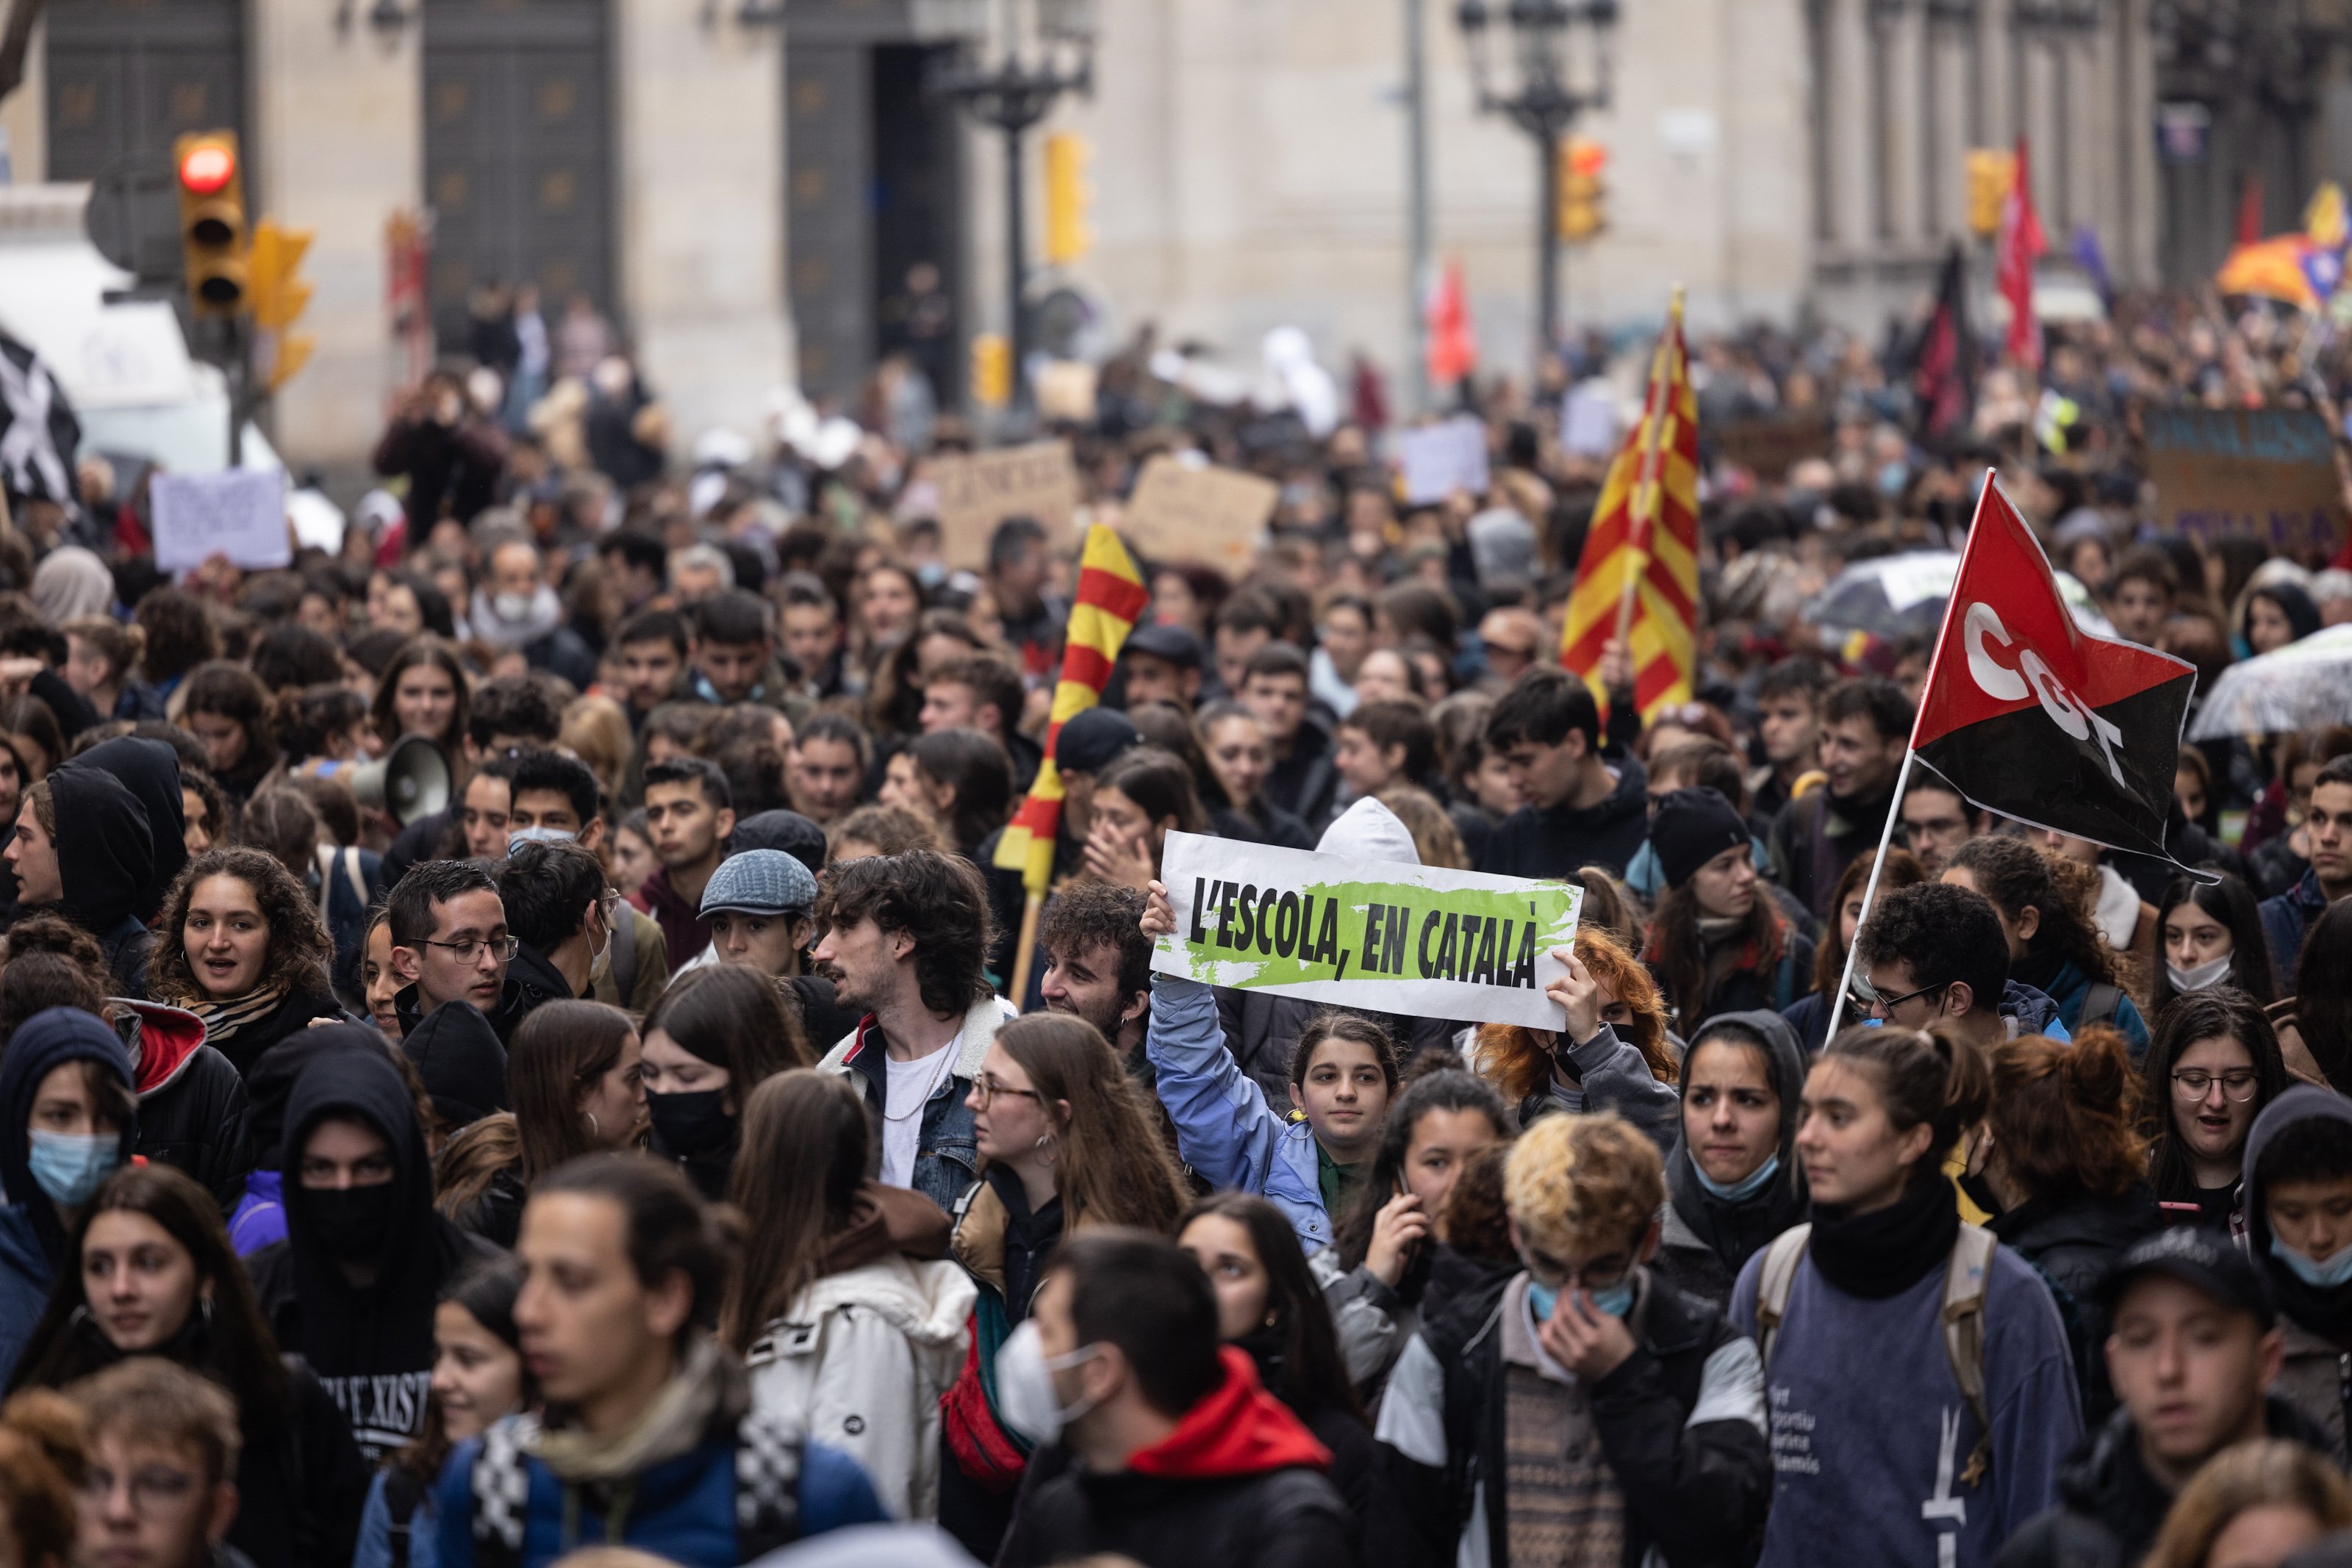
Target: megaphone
(410,781)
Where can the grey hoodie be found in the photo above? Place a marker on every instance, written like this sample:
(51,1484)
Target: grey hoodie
(2313,1318)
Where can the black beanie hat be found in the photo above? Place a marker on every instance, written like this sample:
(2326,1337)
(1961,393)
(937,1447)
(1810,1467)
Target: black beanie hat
(1693,827)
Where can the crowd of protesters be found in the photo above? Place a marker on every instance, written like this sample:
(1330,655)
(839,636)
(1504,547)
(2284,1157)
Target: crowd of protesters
(667,1147)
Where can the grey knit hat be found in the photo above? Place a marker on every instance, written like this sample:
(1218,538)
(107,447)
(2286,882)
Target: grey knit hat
(759,881)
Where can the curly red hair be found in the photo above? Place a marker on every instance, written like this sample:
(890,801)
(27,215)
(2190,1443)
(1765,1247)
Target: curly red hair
(1518,1063)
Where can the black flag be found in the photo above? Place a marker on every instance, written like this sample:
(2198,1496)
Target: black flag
(1944,361)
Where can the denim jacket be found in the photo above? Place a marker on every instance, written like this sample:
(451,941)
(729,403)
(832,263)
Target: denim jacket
(947,1156)
(1224,1129)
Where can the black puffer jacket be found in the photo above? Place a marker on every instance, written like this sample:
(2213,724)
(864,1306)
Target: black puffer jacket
(2109,1507)
(193,1113)
(2075,1245)
(1697,1492)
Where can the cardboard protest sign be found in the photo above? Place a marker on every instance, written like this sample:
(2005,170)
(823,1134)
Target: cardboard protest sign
(1439,459)
(979,491)
(1768,447)
(2268,473)
(238,513)
(1214,516)
(1378,934)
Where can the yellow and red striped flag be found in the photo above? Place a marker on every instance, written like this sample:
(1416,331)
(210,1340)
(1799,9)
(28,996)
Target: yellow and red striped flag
(1639,577)
(1111,597)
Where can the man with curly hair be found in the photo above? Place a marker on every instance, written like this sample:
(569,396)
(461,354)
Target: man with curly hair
(1581,1411)
(1097,961)
(902,939)
(1937,951)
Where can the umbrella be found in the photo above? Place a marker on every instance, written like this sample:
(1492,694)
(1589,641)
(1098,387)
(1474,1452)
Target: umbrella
(2305,682)
(1893,596)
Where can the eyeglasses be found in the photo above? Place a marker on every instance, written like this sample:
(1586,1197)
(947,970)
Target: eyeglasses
(152,1488)
(2193,1083)
(1600,1274)
(985,1089)
(471,947)
(1867,995)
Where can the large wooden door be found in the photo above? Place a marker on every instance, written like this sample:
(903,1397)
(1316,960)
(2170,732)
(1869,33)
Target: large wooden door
(126,76)
(518,153)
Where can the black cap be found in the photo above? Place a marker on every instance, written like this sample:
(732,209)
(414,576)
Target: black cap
(787,831)
(1693,827)
(2205,1260)
(1173,644)
(1090,741)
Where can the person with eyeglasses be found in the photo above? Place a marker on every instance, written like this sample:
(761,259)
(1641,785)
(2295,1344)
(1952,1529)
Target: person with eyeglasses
(1066,1144)
(159,1489)
(353,1288)
(1580,1411)
(449,941)
(1936,951)
(2212,1068)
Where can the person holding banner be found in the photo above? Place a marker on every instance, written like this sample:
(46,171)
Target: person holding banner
(1612,1051)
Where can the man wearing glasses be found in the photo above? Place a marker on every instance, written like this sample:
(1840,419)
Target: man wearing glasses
(159,1491)
(449,940)
(1936,951)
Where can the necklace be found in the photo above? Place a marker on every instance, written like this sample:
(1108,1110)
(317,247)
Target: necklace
(947,1055)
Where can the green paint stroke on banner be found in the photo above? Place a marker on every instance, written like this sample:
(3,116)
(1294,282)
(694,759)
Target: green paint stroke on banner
(1249,937)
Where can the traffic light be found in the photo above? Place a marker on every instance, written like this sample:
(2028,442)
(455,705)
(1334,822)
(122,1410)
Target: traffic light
(279,299)
(1583,192)
(1992,171)
(992,369)
(211,180)
(1068,198)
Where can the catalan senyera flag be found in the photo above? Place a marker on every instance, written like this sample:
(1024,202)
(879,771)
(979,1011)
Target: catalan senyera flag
(1645,533)
(1111,597)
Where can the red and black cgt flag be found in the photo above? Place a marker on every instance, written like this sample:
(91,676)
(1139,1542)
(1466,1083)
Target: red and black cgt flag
(2030,718)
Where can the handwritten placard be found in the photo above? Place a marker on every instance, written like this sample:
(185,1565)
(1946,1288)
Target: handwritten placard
(2266,474)
(1212,516)
(979,491)
(238,513)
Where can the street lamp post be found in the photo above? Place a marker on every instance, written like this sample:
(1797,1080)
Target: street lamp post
(1555,82)
(1014,93)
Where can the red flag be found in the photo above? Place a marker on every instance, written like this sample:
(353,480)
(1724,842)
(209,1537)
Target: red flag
(2250,211)
(2034,718)
(2020,245)
(1452,345)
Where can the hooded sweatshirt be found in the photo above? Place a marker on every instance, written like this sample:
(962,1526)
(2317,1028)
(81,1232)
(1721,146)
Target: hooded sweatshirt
(32,1236)
(259,1218)
(2317,1320)
(370,1344)
(458,1054)
(1239,1483)
(106,859)
(1551,842)
(150,769)
(1707,1240)
(192,1110)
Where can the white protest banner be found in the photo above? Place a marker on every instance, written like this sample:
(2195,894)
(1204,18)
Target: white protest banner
(1381,936)
(239,513)
(1210,515)
(981,490)
(1439,459)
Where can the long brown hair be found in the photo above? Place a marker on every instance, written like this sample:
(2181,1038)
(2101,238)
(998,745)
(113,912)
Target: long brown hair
(300,951)
(2064,1114)
(1309,1376)
(1110,1168)
(1903,870)
(1521,1065)
(1680,954)
(2266,1472)
(805,1145)
(558,1052)
(423,649)
(732,1017)
(471,1160)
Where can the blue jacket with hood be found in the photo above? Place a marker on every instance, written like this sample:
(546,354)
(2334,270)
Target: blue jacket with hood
(32,1238)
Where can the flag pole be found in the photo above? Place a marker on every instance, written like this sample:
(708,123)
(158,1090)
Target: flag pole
(1035,903)
(1902,775)
(1646,481)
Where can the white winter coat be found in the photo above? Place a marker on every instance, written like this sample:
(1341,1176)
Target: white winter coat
(860,1361)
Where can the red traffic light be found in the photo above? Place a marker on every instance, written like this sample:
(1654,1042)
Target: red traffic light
(208,168)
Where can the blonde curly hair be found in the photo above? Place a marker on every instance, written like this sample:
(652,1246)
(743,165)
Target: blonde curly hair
(1574,1181)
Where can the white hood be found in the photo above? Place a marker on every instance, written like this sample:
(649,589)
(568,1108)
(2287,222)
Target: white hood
(1369,831)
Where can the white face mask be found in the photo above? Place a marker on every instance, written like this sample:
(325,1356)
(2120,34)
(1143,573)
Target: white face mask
(1025,1395)
(512,606)
(2202,977)
(604,959)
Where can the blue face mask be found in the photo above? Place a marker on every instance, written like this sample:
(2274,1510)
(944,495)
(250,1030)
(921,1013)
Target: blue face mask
(1541,1299)
(1617,1300)
(1747,1186)
(2326,1274)
(68,1167)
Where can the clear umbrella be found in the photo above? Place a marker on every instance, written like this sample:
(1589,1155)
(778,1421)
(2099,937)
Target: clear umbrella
(2305,682)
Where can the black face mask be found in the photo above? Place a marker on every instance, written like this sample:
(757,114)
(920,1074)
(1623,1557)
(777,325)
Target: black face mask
(687,1125)
(353,1224)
